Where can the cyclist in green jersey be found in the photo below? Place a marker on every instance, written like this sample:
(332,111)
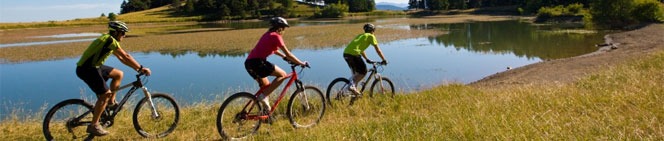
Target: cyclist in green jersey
(91,69)
(356,48)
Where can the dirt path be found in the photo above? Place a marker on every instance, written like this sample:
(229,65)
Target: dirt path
(630,45)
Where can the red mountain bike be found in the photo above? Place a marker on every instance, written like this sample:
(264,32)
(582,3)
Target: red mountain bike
(241,115)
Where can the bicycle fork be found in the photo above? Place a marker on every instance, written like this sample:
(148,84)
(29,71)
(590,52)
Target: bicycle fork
(303,97)
(149,96)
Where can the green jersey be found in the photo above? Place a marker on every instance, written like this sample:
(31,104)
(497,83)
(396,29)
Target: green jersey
(98,51)
(360,43)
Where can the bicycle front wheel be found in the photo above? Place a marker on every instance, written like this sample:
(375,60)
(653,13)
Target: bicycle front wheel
(384,87)
(306,107)
(238,116)
(161,124)
(68,120)
(338,92)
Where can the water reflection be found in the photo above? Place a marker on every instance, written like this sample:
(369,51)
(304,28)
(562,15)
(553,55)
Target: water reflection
(515,37)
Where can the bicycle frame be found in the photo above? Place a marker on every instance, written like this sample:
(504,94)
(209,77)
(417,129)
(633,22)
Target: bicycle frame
(293,78)
(134,86)
(374,72)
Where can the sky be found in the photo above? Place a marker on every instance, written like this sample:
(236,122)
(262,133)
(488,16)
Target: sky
(12,11)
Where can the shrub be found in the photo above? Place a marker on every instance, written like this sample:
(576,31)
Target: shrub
(334,10)
(574,9)
(649,11)
(112,16)
(621,13)
(612,13)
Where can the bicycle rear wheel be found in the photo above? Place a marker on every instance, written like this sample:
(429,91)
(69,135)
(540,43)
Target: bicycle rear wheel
(237,116)
(306,107)
(338,92)
(169,114)
(383,88)
(68,120)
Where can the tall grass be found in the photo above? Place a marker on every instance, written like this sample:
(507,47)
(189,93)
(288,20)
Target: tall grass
(621,103)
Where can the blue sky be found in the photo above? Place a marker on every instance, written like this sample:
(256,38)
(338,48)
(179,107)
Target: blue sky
(58,10)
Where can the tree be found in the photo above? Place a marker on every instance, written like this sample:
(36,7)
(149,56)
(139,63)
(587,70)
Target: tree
(176,3)
(102,15)
(189,6)
(438,4)
(112,16)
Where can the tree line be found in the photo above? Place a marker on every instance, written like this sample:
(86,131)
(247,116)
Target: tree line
(220,9)
(529,5)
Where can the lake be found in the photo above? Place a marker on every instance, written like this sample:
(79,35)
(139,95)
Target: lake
(468,53)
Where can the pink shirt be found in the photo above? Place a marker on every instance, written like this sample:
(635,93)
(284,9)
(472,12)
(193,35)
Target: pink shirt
(267,45)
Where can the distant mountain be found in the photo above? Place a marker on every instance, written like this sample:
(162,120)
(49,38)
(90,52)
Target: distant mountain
(391,6)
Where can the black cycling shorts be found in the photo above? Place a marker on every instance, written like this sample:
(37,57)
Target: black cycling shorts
(258,68)
(356,63)
(95,77)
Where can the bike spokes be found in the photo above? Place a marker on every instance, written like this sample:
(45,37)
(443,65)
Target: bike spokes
(239,116)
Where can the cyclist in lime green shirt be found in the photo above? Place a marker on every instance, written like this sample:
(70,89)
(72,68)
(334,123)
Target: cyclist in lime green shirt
(91,69)
(356,48)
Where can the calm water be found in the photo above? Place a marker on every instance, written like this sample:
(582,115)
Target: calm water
(468,53)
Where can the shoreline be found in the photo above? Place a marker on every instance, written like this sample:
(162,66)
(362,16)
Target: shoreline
(618,48)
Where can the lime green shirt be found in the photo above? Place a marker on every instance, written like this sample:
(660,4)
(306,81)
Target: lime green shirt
(360,43)
(96,54)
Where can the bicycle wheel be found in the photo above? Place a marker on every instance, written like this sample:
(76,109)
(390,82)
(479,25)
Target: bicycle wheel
(306,107)
(238,116)
(338,92)
(68,120)
(168,113)
(385,87)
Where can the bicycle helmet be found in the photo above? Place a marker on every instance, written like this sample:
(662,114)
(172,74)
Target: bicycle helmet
(369,27)
(279,22)
(118,26)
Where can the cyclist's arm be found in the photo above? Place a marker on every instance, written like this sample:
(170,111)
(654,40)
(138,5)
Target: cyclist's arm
(128,60)
(365,56)
(380,53)
(289,55)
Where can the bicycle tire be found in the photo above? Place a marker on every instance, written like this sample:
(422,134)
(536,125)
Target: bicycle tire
(306,116)
(86,110)
(169,115)
(236,118)
(385,80)
(339,95)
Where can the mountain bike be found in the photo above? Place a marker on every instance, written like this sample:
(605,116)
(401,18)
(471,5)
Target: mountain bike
(156,115)
(338,91)
(241,114)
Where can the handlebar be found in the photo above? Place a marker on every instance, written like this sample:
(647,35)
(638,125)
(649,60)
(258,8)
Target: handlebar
(382,63)
(293,64)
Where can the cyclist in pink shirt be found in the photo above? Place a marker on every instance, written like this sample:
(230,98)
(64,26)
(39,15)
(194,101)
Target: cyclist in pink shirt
(257,65)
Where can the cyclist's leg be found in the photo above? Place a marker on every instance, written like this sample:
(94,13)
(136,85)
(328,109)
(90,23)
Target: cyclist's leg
(100,106)
(357,67)
(280,75)
(116,75)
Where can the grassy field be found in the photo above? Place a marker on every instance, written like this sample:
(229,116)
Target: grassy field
(621,103)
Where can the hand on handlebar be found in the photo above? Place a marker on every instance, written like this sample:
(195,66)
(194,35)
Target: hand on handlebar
(306,64)
(384,62)
(145,71)
(369,61)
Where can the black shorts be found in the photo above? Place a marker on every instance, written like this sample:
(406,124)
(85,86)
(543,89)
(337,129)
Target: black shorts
(258,68)
(95,77)
(356,63)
